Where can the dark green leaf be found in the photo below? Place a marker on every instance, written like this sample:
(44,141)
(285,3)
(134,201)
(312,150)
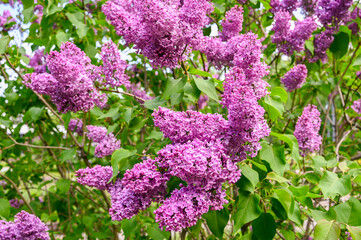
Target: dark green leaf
(156,233)
(154,103)
(264,227)
(247,209)
(274,155)
(119,160)
(174,86)
(248,180)
(339,46)
(217,221)
(63,185)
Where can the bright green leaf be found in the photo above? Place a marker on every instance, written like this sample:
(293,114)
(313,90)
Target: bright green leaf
(174,86)
(207,86)
(274,155)
(327,230)
(330,184)
(217,221)
(4,208)
(119,160)
(63,185)
(248,209)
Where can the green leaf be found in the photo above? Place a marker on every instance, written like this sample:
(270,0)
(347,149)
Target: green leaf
(28,3)
(248,180)
(63,185)
(248,209)
(113,111)
(207,86)
(217,221)
(286,199)
(299,191)
(327,230)
(4,208)
(355,232)
(62,37)
(264,227)
(318,215)
(349,212)
(200,73)
(281,92)
(309,46)
(339,46)
(4,41)
(154,103)
(274,155)
(274,107)
(35,113)
(155,135)
(156,233)
(127,114)
(128,226)
(357,61)
(291,141)
(119,160)
(67,155)
(275,177)
(28,14)
(76,20)
(174,86)
(330,184)
(191,91)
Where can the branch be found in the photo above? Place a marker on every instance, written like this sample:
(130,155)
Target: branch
(18,191)
(124,93)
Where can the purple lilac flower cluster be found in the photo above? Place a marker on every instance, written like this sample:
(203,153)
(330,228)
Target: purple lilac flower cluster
(356,106)
(295,77)
(333,12)
(76,125)
(306,130)
(356,13)
(232,25)
(290,41)
(70,82)
(107,143)
(284,5)
(139,187)
(6,18)
(25,227)
(37,61)
(159,29)
(113,66)
(16,203)
(321,43)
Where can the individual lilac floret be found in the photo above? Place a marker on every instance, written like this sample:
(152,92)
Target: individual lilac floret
(16,203)
(107,146)
(159,29)
(232,25)
(183,208)
(181,127)
(356,106)
(287,40)
(97,177)
(107,143)
(284,5)
(306,131)
(245,117)
(38,61)
(25,227)
(199,163)
(95,133)
(113,66)
(70,84)
(144,177)
(333,11)
(76,125)
(295,77)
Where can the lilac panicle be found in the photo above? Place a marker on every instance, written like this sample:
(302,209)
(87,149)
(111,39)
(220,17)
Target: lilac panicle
(70,82)
(16,203)
(181,127)
(295,77)
(232,25)
(76,125)
(37,61)
(306,131)
(284,5)
(203,164)
(107,143)
(159,29)
(184,207)
(356,106)
(322,42)
(113,66)
(95,133)
(97,177)
(144,177)
(333,12)
(26,226)
(290,41)
(245,117)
